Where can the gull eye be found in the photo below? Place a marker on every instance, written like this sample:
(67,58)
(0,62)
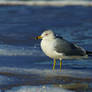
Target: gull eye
(46,34)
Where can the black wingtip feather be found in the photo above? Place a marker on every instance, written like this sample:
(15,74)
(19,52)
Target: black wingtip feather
(89,52)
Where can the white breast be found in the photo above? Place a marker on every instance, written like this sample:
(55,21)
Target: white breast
(48,48)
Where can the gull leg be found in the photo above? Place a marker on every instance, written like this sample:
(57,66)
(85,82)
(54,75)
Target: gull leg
(54,64)
(60,64)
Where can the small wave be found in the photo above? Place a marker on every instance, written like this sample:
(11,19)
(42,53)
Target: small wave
(44,73)
(37,89)
(37,78)
(8,50)
(48,3)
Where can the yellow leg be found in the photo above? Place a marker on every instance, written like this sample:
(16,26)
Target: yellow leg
(60,64)
(54,64)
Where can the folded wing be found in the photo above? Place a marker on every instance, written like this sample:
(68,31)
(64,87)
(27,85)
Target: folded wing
(67,48)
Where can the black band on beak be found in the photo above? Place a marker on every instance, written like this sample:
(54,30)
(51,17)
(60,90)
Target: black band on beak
(38,37)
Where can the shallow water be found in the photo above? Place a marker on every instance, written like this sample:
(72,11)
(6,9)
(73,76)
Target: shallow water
(24,67)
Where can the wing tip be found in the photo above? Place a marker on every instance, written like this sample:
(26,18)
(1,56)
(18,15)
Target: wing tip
(89,52)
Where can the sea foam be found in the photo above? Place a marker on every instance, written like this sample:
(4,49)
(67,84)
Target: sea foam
(45,72)
(38,89)
(48,3)
(9,50)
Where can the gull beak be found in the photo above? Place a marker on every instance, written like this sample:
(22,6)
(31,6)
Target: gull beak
(38,37)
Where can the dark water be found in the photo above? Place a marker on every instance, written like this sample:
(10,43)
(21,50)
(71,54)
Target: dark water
(24,67)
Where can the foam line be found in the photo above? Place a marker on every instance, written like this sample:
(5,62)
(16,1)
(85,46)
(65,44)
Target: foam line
(47,3)
(8,50)
(43,73)
(37,89)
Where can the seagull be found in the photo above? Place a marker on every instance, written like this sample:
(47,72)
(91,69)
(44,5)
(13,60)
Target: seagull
(58,48)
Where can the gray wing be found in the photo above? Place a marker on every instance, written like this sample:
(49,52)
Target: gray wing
(67,48)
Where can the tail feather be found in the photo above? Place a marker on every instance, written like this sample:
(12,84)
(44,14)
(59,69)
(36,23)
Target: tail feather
(89,52)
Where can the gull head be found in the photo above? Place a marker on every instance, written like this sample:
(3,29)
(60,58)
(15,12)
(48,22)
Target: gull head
(48,34)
